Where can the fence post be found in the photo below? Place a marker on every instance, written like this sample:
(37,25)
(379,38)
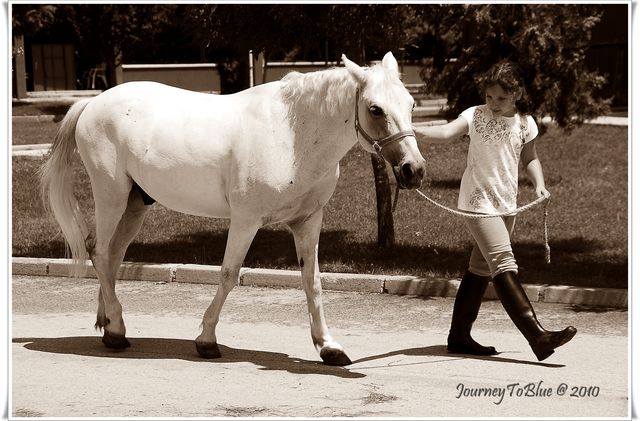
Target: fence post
(261,67)
(19,69)
(119,74)
(251,78)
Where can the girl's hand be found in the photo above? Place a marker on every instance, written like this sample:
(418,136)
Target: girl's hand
(542,191)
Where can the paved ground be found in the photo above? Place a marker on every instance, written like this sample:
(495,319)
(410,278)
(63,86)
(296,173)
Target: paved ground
(270,368)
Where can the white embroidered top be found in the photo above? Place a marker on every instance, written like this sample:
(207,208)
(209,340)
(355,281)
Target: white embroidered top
(490,182)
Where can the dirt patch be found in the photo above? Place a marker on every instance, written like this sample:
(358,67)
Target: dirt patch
(374,397)
(21,412)
(251,411)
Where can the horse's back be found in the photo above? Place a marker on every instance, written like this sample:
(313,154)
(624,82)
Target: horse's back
(144,103)
(156,111)
(170,141)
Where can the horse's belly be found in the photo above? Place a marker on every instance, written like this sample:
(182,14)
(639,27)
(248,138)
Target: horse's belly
(194,192)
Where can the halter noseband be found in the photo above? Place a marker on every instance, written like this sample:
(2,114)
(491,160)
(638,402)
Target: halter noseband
(378,144)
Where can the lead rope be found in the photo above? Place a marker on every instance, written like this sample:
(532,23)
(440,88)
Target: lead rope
(547,249)
(536,202)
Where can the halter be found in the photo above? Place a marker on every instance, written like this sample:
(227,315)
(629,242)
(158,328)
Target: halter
(378,144)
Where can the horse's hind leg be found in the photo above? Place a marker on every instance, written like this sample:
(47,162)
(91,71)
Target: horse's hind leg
(306,234)
(127,229)
(111,202)
(239,238)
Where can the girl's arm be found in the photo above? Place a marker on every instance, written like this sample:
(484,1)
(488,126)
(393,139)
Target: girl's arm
(529,157)
(445,132)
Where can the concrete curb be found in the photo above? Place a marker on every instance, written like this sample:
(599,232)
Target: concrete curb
(70,97)
(379,284)
(34,152)
(32,147)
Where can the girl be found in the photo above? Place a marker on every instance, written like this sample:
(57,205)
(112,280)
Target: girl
(500,136)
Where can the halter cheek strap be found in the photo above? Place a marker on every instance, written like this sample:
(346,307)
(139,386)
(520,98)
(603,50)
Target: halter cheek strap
(378,144)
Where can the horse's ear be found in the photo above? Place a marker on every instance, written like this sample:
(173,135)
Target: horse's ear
(356,71)
(389,62)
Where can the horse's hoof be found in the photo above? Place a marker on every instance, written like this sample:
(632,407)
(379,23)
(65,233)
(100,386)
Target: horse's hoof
(208,350)
(332,356)
(114,341)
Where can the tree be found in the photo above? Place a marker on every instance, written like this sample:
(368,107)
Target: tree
(114,32)
(28,19)
(548,42)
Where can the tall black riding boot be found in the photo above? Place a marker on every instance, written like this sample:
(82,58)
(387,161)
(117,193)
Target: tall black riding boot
(519,308)
(465,312)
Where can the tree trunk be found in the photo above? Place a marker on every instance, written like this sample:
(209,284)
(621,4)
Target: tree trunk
(386,232)
(112,61)
(234,72)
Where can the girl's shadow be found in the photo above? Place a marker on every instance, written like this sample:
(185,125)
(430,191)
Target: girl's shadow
(441,351)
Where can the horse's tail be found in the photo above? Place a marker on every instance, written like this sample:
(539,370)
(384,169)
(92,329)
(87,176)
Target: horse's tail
(56,184)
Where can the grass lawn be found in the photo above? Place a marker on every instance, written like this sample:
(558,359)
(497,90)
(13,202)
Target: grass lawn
(586,172)
(29,132)
(53,107)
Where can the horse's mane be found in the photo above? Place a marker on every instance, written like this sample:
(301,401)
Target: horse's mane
(325,91)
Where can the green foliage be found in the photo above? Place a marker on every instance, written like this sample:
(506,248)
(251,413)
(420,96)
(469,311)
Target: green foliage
(373,29)
(548,42)
(27,19)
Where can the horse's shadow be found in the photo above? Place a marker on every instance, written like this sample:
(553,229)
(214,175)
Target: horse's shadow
(181,349)
(441,351)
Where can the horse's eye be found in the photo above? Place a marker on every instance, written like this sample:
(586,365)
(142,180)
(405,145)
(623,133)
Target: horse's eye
(376,111)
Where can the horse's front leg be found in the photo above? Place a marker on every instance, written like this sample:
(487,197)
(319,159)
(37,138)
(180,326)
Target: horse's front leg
(239,238)
(306,235)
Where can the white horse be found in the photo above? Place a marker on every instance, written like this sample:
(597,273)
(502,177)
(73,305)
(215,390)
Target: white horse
(264,155)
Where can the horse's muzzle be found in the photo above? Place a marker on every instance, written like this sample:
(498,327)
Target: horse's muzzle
(409,175)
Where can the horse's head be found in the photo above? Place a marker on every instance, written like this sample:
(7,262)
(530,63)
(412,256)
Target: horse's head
(383,109)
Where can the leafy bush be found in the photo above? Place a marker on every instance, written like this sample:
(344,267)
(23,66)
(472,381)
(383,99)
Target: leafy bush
(547,41)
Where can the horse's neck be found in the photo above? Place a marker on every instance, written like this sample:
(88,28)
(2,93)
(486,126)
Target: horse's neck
(324,127)
(322,141)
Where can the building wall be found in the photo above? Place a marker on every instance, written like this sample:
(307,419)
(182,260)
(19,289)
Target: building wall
(195,77)
(206,77)
(53,67)
(277,70)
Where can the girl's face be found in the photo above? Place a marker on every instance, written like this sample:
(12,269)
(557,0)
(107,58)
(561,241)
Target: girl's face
(501,103)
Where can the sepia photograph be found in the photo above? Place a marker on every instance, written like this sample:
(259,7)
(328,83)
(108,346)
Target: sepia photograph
(319,210)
